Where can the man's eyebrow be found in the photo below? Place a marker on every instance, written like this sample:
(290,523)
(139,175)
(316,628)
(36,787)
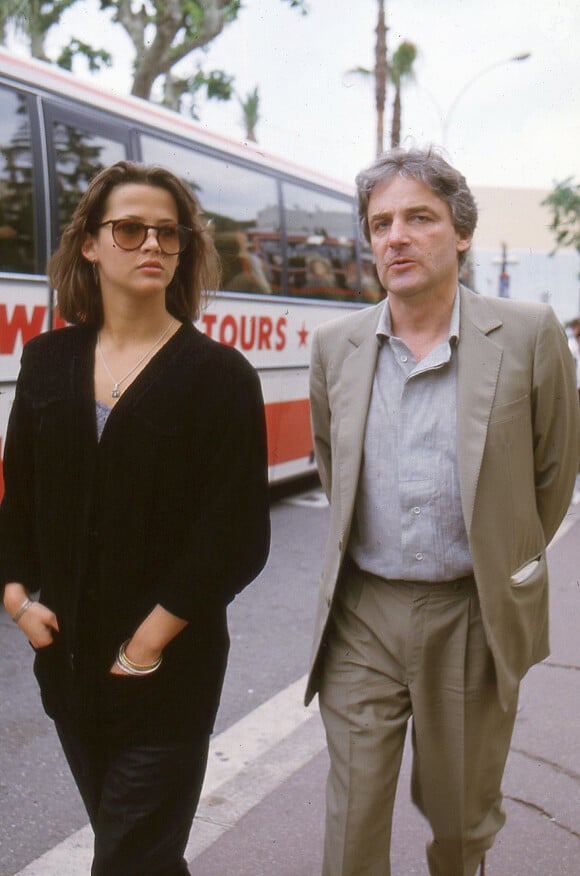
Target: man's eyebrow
(421,208)
(414,208)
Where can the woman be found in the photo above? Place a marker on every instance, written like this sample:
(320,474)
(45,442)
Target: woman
(136,503)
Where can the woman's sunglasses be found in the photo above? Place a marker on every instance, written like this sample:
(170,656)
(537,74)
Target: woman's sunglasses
(129,235)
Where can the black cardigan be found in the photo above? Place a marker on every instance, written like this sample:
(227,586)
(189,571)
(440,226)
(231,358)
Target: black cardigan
(170,507)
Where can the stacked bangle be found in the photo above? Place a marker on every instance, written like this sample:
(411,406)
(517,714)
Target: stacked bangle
(127,665)
(24,607)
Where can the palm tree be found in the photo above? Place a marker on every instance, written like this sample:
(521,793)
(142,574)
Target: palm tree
(401,70)
(381,75)
(250,108)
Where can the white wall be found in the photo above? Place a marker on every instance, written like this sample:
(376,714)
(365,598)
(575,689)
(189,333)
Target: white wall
(517,218)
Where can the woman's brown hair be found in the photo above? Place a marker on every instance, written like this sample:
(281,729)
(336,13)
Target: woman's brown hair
(78,293)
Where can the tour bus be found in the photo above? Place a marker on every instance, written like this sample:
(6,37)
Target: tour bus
(288,240)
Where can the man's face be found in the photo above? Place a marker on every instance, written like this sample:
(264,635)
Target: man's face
(413,239)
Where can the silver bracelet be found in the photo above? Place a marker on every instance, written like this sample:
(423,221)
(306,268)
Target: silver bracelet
(126,665)
(24,607)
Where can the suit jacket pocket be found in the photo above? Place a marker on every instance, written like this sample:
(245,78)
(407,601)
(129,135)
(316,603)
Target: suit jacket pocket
(510,410)
(525,572)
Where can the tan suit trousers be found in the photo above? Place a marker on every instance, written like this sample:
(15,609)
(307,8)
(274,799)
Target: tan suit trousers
(398,650)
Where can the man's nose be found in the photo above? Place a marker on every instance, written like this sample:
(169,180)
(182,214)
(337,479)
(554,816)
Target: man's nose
(398,232)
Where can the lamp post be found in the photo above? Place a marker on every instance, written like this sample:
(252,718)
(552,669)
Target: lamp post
(504,278)
(447,118)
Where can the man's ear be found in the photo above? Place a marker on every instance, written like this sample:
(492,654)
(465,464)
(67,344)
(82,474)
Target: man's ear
(464,242)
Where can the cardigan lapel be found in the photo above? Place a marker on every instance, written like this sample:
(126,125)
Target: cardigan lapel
(82,386)
(479,359)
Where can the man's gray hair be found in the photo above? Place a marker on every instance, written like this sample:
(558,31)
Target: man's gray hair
(426,166)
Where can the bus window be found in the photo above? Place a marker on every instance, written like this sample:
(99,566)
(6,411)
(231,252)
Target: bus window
(242,208)
(370,287)
(17,205)
(321,244)
(79,154)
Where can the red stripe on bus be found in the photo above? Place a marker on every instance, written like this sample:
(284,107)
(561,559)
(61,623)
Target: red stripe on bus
(289,433)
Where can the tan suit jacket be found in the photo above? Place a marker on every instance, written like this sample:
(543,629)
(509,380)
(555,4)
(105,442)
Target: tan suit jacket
(518,439)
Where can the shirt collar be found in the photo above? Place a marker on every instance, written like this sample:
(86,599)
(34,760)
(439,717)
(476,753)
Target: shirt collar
(384,324)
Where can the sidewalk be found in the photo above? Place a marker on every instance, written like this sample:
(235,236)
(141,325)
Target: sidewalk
(282,835)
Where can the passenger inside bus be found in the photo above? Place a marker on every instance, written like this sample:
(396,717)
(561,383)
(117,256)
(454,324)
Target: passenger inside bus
(242,269)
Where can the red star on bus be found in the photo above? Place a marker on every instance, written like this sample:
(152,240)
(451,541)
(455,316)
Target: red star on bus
(303,334)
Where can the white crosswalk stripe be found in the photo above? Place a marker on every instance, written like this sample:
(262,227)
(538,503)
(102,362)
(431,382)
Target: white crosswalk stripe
(246,762)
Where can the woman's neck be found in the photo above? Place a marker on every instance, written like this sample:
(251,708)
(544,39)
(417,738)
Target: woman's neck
(125,328)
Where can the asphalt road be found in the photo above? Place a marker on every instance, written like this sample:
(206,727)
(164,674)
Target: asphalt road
(270,627)
(262,808)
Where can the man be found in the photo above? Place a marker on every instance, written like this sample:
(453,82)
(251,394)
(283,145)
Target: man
(446,431)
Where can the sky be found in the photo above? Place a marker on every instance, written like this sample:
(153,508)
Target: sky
(501,122)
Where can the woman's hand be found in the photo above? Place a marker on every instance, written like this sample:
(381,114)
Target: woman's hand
(146,645)
(142,656)
(37,622)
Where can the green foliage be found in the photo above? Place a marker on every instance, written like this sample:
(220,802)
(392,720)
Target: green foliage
(29,15)
(181,93)
(402,62)
(251,112)
(97,58)
(219,85)
(163,33)
(564,203)
(362,71)
(34,18)
(401,70)
(302,5)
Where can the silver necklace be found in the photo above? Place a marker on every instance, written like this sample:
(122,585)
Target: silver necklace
(116,392)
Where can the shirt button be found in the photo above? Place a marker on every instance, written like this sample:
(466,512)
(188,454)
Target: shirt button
(404,358)
(416,510)
(418,556)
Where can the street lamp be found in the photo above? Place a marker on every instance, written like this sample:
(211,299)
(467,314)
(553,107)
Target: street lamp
(445,123)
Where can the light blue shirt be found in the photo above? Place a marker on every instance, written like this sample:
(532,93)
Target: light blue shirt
(408,520)
(103,412)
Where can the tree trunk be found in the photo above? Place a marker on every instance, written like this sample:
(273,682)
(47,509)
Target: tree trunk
(37,35)
(381,75)
(396,129)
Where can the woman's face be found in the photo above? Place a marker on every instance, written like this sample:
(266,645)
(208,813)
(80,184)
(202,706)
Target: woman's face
(138,274)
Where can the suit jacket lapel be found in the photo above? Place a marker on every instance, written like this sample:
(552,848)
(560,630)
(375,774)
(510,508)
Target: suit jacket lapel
(479,359)
(356,386)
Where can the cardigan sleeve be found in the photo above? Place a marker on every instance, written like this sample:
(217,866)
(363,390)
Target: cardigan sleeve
(18,556)
(229,539)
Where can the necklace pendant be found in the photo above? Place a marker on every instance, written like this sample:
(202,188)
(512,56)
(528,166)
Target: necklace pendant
(115,392)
